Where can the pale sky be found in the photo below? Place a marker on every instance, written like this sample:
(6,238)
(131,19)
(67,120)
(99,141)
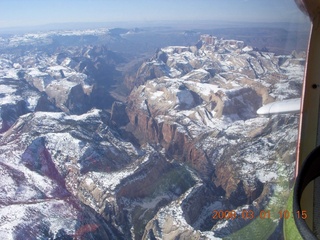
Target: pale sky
(14,13)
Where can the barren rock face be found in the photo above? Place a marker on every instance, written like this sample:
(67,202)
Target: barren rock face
(118,114)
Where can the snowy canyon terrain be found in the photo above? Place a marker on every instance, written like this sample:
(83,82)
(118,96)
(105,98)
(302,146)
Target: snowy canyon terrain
(97,144)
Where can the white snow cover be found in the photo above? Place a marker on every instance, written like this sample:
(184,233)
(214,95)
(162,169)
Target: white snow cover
(14,215)
(8,94)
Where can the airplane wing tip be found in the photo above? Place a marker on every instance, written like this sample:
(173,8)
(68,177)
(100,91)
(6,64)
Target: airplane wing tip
(285,106)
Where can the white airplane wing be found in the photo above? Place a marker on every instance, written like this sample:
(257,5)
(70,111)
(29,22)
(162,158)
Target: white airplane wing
(285,106)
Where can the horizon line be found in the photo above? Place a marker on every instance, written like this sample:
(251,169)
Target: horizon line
(149,23)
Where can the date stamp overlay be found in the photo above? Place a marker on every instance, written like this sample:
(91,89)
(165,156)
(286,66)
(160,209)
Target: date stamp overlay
(250,214)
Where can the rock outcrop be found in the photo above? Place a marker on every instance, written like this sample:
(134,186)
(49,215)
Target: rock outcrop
(201,108)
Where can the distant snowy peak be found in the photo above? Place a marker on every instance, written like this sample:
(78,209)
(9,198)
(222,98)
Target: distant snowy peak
(48,37)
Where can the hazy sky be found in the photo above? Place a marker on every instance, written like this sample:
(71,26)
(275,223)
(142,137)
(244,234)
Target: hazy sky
(39,12)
